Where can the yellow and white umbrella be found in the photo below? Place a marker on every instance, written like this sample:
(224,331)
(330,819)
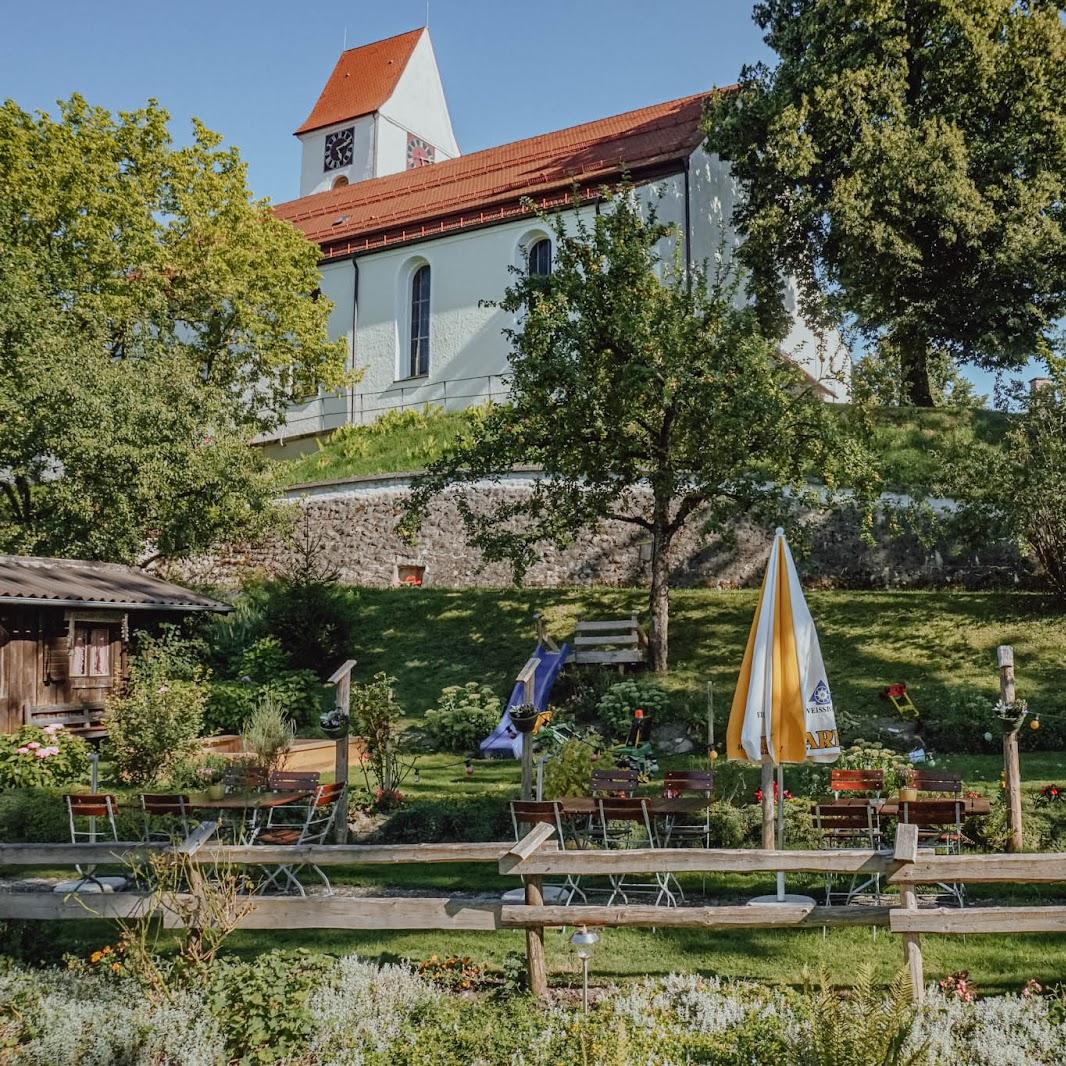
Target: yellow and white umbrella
(782,710)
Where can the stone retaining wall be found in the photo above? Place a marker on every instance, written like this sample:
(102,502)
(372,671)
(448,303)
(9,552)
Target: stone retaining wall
(354,522)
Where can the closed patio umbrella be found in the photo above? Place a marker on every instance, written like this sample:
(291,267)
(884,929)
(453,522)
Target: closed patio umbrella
(782,710)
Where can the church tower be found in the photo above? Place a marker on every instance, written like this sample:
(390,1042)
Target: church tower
(382,111)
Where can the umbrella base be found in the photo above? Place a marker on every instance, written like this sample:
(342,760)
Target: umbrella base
(789,899)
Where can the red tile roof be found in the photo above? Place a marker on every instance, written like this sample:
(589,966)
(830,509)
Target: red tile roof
(489,186)
(362,80)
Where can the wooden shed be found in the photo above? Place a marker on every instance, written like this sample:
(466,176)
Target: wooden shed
(64,635)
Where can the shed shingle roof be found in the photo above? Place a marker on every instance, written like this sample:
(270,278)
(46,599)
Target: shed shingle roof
(490,185)
(363,79)
(28,579)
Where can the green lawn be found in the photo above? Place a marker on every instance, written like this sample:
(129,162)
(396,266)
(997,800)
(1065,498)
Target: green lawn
(428,638)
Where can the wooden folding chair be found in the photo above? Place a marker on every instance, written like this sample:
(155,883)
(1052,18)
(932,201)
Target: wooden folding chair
(160,812)
(528,813)
(856,781)
(617,781)
(620,822)
(293,780)
(936,781)
(84,812)
(857,826)
(681,830)
(939,825)
(321,811)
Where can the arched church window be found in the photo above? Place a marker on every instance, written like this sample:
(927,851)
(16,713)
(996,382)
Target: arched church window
(420,282)
(540,258)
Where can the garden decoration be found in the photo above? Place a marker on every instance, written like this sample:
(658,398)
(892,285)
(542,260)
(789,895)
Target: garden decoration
(782,710)
(584,940)
(1011,713)
(900,699)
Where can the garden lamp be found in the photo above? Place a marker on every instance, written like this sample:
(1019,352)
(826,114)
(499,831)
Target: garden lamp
(584,940)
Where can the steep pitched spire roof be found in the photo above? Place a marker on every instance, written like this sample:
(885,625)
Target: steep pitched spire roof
(363,79)
(490,186)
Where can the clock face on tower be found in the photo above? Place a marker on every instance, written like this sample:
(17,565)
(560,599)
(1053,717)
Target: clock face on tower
(339,148)
(419,152)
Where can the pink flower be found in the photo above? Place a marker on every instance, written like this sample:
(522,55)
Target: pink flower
(22,751)
(41,753)
(54,728)
(33,744)
(162,690)
(53,750)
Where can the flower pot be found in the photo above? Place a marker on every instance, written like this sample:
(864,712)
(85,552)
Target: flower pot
(908,795)
(524,723)
(215,792)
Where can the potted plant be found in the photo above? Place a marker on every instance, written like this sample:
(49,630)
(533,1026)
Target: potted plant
(524,718)
(907,791)
(208,775)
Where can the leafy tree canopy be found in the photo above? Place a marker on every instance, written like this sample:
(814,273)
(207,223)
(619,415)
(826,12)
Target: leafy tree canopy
(906,160)
(655,403)
(153,319)
(1018,491)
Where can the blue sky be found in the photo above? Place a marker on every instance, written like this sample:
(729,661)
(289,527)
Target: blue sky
(251,71)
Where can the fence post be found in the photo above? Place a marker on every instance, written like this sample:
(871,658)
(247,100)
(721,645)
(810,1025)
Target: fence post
(342,700)
(1007,694)
(536,975)
(906,851)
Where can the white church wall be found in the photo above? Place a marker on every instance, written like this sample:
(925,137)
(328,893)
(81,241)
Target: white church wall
(313,175)
(416,104)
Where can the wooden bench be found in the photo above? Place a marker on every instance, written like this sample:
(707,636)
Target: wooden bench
(85,721)
(613,641)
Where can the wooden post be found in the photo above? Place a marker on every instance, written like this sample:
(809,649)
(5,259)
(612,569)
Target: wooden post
(1005,660)
(767,803)
(907,851)
(527,678)
(536,974)
(342,700)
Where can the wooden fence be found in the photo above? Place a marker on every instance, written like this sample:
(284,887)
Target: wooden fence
(536,857)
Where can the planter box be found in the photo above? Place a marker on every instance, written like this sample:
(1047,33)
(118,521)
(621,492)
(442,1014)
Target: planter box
(304,753)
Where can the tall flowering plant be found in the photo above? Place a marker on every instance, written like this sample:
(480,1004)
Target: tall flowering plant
(36,757)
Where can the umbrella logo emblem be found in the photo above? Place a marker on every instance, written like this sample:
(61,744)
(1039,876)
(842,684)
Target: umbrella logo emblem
(820,696)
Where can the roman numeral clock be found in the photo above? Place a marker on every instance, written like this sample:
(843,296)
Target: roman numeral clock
(339,149)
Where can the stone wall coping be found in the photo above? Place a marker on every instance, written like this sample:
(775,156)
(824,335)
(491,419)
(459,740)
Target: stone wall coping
(400,477)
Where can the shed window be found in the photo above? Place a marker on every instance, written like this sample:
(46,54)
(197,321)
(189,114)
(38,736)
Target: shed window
(420,321)
(91,654)
(540,258)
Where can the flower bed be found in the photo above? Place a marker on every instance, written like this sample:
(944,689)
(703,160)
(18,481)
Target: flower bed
(312,1010)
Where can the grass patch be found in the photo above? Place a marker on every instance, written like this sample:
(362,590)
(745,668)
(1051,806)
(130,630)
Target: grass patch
(404,441)
(909,441)
(429,638)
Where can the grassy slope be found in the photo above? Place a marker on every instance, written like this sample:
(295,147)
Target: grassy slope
(429,638)
(908,440)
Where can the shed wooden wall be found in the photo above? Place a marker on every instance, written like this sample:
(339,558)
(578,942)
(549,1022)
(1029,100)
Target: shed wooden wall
(35,665)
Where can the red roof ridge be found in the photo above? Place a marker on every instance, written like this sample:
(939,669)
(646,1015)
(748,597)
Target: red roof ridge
(362,80)
(643,138)
(433,173)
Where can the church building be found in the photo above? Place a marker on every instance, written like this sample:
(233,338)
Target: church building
(415,236)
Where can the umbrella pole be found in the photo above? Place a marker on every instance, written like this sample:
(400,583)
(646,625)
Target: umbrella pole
(780,827)
(767,803)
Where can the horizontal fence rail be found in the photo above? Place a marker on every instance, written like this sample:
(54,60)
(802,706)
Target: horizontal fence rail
(532,858)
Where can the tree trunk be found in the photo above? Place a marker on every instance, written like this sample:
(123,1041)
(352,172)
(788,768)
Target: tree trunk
(914,371)
(660,603)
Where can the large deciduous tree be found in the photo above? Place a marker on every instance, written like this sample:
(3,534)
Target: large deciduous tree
(649,402)
(906,161)
(153,319)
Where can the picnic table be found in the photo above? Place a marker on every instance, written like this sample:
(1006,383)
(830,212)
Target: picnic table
(888,807)
(664,806)
(244,807)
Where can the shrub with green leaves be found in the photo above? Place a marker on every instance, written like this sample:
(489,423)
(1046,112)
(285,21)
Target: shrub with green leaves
(462,820)
(463,717)
(154,725)
(268,733)
(569,770)
(615,709)
(42,757)
(262,1005)
(864,755)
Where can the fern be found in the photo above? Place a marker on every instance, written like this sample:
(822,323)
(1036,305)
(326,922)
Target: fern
(863,1028)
